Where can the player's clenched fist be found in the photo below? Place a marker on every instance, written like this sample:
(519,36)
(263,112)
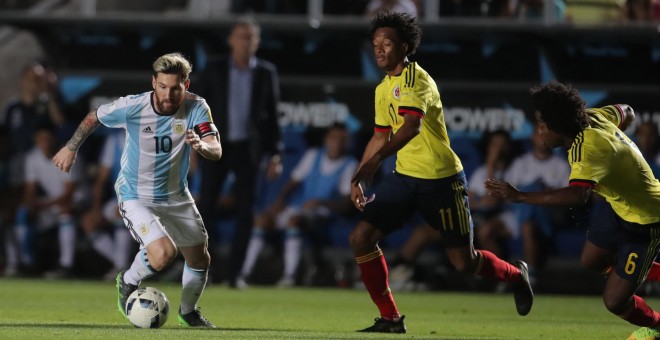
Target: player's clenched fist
(64,159)
(193,140)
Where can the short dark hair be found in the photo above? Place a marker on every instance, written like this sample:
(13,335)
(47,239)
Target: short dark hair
(247,21)
(561,108)
(406,27)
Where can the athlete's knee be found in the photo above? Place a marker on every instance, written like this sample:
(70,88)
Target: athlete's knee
(161,256)
(616,303)
(462,260)
(360,238)
(461,265)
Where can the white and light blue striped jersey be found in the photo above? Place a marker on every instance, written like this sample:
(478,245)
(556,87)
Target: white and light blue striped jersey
(156,158)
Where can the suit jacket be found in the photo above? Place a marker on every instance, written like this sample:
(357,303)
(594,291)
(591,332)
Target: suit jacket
(264,131)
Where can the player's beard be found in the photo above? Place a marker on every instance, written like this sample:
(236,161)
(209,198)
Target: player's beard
(166,110)
(163,108)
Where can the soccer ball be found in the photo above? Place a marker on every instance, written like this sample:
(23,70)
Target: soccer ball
(147,308)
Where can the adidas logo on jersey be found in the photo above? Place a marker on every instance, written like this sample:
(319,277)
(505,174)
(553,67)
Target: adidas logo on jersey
(147,130)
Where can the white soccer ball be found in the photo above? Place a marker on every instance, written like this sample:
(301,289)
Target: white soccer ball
(147,308)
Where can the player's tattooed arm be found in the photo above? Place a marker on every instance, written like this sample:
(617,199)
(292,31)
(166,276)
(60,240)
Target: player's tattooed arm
(86,127)
(65,158)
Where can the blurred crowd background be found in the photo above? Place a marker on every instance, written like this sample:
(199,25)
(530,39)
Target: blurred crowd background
(59,59)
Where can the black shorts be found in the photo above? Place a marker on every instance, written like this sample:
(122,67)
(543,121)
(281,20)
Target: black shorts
(636,245)
(443,203)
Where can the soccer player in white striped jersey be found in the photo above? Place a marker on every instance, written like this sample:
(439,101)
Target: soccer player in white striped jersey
(162,126)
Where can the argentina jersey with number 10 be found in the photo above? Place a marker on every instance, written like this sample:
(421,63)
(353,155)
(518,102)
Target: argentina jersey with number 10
(156,158)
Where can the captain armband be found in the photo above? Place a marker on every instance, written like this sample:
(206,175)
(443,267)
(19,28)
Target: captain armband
(206,129)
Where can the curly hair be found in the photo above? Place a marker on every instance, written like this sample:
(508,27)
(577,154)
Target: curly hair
(561,108)
(406,27)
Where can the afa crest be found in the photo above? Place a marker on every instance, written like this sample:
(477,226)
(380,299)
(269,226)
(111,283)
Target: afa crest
(143,229)
(179,128)
(396,92)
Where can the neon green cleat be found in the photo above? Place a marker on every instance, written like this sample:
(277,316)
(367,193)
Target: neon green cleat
(194,319)
(123,291)
(645,333)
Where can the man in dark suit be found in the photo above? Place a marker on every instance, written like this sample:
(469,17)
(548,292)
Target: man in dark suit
(243,92)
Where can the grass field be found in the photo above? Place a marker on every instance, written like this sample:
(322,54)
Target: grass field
(31,309)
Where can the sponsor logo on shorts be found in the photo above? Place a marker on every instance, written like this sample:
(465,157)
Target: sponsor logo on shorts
(143,229)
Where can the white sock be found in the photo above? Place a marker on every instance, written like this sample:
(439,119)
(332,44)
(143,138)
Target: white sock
(193,281)
(67,238)
(103,244)
(123,242)
(140,269)
(253,250)
(292,247)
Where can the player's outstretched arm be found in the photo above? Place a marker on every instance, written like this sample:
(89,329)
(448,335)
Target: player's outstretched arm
(65,158)
(209,146)
(569,196)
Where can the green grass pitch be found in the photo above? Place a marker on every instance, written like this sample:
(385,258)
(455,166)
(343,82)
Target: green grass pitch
(37,309)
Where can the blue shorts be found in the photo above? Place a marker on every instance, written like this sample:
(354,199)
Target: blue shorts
(442,203)
(636,245)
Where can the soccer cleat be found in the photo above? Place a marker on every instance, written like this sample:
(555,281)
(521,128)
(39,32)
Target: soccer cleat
(522,293)
(194,319)
(645,333)
(124,290)
(386,326)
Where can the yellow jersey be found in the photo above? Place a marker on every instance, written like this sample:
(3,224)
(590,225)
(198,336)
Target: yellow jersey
(428,155)
(604,158)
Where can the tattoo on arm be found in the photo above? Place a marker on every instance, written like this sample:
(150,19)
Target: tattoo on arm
(86,127)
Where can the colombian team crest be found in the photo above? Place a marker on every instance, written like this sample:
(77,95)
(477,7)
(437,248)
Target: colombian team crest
(179,128)
(396,92)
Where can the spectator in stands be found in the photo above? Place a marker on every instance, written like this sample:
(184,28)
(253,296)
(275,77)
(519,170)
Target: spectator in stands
(324,178)
(648,143)
(35,104)
(537,170)
(401,6)
(103,219)
(490,216)
(53,208)
(242,91)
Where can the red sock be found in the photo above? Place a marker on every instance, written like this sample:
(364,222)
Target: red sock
(492,267)
(374,275)
(641,314)
(654,273)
